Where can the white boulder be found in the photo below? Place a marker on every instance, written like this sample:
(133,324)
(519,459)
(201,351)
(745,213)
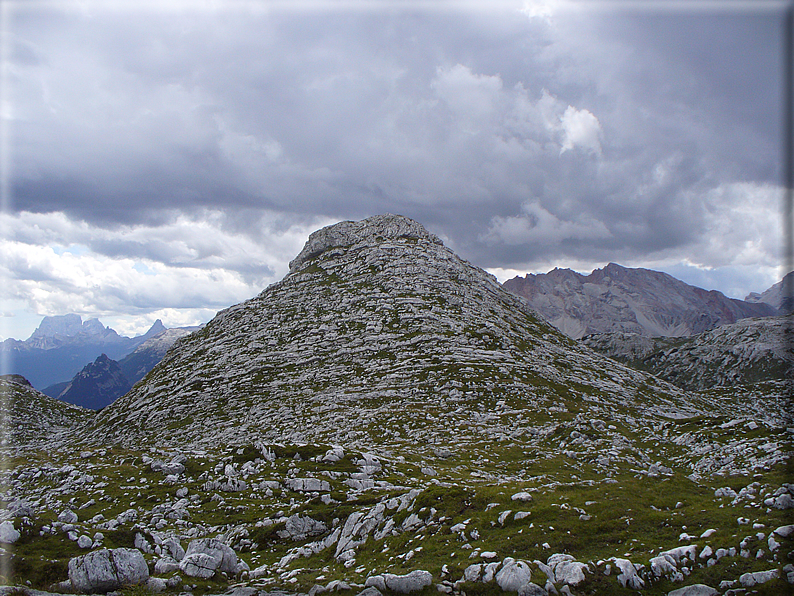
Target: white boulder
(199,565)
(405,584)
(217,557)
(8,533)
(694,590)
(748,580)
(105,570)
(513,575)
(566,569)
(628,577)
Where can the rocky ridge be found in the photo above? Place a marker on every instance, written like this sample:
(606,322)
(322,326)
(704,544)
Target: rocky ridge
(619,299)
(775,296)
(32,420)
(62,345)
(97,385)
(747,352)
(140,361)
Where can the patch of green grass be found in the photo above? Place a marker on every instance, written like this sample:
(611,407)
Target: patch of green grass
(41,574)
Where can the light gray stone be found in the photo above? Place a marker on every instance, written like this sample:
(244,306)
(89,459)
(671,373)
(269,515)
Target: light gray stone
(472,572)
(566,569)
(21,508)
(663,565)
(199,565)
(531,589)
(628,577)
(405,584)
(377,582)
(105,570)
(784,531)
(8,533)
(225,557)
(308,485)
(489,572)
(165,565)
(156,585)
(694,590)
(172,548)
(513,575)
(299,527)
(748,580)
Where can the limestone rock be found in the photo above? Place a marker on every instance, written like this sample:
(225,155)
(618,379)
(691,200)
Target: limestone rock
(105,570)
(513,575)
(531,589)
(694,590)
(210,555)
(628,577)
(201,565)
(299,527)
(313,485)
(566,569)
(8,533)
(748,580)
(405,584)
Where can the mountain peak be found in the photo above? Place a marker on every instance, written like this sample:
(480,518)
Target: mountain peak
(157,327)
(632,300)
(97,385)
(375,320)
(372,230)
(66,325)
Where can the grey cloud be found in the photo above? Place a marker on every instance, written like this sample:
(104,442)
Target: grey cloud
(450,117)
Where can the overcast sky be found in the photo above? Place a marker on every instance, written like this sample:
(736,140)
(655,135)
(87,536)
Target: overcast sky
(168,159)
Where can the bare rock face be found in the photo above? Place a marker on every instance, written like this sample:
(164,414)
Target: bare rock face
(135,365)
(778,296)
(348,233)
(619,299)
(205,556)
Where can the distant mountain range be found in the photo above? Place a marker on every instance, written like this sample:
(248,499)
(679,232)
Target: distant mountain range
(102,381)
(62,345)
(617,309)
(638,301)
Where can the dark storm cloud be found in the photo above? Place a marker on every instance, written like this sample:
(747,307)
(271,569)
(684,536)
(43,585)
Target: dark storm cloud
(591,136)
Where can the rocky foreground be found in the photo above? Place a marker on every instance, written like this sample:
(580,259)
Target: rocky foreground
(587,507)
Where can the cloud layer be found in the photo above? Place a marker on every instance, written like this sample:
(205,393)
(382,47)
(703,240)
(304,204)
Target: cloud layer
(161,157)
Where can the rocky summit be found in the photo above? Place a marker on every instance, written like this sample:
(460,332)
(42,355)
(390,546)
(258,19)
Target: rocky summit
(380,335)
(386,420)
